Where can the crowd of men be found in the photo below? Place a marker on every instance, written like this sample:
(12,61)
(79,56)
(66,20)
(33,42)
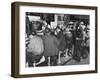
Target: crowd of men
(75,33)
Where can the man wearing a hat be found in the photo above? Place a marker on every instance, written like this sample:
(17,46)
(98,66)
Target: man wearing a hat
(35,47)
(51,44)
(79,41)
(36,25)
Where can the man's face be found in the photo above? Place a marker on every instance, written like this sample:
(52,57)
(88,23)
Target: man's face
(70,26)
(35,25)
(58,30)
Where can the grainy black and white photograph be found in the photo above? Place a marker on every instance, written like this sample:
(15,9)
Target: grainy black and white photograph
(53,39)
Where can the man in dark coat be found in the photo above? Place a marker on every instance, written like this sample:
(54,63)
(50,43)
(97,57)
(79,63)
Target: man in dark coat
(50,46)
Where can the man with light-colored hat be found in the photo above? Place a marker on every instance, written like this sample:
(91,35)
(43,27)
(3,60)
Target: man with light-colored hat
(35,45)
(36,24)
(82,25)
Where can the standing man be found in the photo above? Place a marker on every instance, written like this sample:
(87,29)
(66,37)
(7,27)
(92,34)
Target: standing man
(79,41)
(35,46)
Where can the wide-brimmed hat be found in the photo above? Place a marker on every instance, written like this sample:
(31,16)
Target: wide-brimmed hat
(35,19)
(71,22)
(82,23)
